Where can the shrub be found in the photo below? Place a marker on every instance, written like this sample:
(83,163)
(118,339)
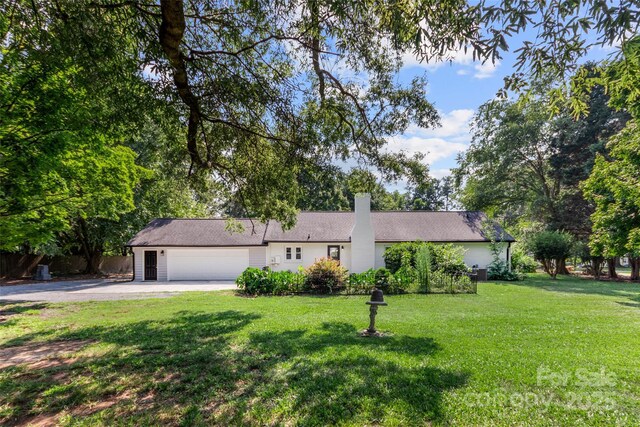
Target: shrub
(441,281)
(325,276)
(284,282)
(254,281)
(498,270)
(447,257)
(403,280)
(551,248)
(423,267)
(393,255)
(361,283)
(523,263)
(383,279)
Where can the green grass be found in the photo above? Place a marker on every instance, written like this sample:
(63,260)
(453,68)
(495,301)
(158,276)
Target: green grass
(537,352)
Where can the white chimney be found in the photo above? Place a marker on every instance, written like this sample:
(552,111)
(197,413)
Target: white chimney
(363,245)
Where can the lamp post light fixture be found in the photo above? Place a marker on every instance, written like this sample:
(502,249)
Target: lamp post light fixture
(377,300)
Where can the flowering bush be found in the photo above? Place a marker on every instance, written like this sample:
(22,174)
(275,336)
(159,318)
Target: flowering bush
(325,276)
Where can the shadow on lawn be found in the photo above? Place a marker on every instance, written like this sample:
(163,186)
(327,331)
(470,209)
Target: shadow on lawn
(7,315)
(579,285)
(191,370)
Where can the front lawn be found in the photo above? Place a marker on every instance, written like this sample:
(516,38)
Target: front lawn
(536,352)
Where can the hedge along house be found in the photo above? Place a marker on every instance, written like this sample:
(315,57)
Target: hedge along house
(203,249)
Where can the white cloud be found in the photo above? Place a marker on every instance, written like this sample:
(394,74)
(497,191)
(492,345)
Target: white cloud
(440,145)
(453,124)
(434,149)
(461,59)
(486,70)
(440,173)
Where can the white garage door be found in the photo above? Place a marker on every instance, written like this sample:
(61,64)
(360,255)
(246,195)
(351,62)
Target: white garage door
(206,264)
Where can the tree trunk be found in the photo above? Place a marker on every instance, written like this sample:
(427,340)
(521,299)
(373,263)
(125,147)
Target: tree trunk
(92,253)
(93,262)
(562,267)
(596,267)
(635,268)
(545,266)
(611,266)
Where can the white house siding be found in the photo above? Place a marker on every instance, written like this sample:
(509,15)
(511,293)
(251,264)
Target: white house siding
(138,253)
(258,256)
(480,254)
(310,253)
(476,253)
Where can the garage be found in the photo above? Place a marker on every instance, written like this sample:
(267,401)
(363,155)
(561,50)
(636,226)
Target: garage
(206,264)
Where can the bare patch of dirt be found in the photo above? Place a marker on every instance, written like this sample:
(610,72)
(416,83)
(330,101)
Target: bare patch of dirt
(44,420)
(92,408)
(41,355)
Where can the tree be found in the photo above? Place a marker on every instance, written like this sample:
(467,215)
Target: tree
(575,143)
(261,87)
(431,194)
(506,168)
(551,248)
(164,192)
(614,183)
(61,156)
(525,165)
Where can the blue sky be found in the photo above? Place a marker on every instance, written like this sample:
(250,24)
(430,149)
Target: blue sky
(456,89)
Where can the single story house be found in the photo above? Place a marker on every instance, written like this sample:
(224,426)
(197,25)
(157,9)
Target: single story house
(203,249)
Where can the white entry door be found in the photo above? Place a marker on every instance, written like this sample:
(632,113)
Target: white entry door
(206,264)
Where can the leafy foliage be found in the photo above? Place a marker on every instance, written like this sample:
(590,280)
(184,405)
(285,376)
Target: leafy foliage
(256,86)
(256,281)
(525,165)
(614,184)
(423,267)
(325,276)
(551,248)
(442,282)
(446,257)
(521,262)
(61,153)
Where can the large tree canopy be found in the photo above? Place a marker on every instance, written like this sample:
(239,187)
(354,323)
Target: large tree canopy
(266,90)
(527,166)
(614,183)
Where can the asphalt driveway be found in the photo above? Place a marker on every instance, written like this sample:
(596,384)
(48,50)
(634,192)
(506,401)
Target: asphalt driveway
(104,289)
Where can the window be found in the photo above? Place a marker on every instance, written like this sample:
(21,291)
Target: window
(333,252)
(288,254)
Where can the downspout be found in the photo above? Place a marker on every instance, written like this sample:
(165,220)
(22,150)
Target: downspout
(133,264)
(509,256)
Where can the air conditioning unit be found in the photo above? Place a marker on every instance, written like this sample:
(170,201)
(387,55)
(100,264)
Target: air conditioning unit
(275,260)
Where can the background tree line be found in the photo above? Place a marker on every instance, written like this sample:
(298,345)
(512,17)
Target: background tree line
(112,113)
(557,172)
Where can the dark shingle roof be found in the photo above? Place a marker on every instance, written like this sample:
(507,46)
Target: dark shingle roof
(314,227)
(397,226)
(430,226)
(198,232)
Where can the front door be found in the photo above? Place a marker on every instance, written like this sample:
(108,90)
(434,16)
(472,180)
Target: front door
(333,252)
(150,265)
